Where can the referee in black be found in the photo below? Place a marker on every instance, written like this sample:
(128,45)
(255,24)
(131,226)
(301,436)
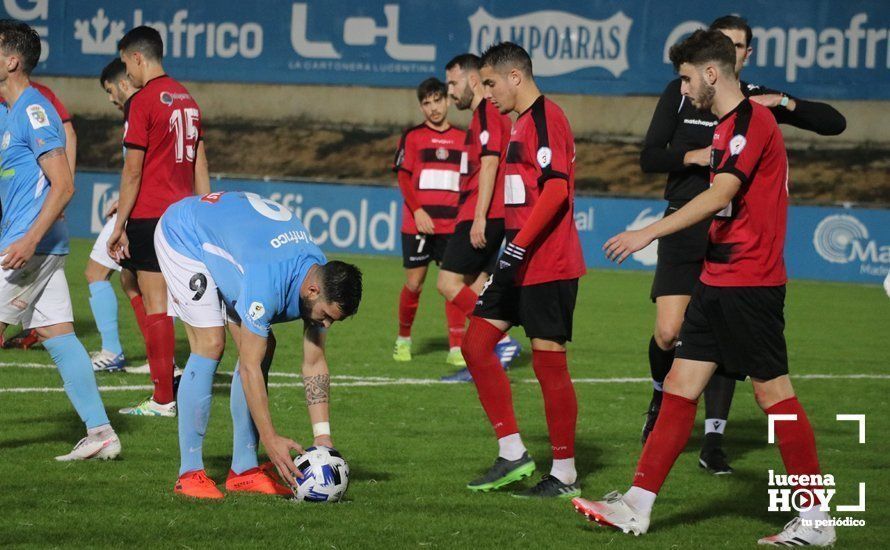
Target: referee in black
(678,142)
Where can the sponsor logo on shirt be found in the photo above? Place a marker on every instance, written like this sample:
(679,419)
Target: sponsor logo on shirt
(166,98)
(441,153)
(737,144)
(256,310)
(700,122)
(37,116)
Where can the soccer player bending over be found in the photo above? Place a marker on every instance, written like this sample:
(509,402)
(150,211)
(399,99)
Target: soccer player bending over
(261,269)
(735,320)
(427,164)
(35,186)
(536,279)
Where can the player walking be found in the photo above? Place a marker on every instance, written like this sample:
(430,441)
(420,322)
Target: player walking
(473,248)
(164,162)
(35,186)
(428,167)
(535,282)
(735,320)
(679,142)
(261,271)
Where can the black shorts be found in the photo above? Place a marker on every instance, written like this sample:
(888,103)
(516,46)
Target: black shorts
(462,257)
(545,311)
(742,329)
(141,234)
(680,259)
(419,250)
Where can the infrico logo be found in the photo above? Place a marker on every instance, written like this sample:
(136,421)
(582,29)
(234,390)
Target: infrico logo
(558,42)
(841,239)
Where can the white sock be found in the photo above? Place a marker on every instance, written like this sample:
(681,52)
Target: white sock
(511,447)
(563,469)
(715,425)
(814,514)
(640,499)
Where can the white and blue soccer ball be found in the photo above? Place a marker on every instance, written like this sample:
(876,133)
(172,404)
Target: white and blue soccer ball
(325,475)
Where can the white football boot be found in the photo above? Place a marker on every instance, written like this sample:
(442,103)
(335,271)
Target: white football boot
(150,407)
(796,533)
(94,447)
(613,511)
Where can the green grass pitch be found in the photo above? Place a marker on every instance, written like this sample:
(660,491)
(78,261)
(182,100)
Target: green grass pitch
(413,447)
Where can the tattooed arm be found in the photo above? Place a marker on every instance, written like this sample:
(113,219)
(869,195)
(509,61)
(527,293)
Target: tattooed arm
(54,164)
(316,379)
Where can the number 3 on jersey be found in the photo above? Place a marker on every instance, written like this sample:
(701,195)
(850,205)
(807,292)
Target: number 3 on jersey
(182,123)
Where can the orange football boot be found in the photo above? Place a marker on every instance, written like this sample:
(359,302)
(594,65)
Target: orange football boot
(196,484)
(256,480)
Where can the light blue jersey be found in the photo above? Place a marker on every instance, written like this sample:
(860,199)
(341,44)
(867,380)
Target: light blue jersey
(256,250)
(31,128)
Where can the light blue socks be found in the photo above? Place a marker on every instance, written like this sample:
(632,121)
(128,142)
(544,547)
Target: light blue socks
(103,302)
(193,404)
(78,379)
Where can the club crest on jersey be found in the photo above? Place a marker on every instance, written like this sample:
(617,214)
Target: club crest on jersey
(544,157)
(6,137)
(442,153)
(37,116)
(736,144)
(166,98)
(483,137)
(256,310)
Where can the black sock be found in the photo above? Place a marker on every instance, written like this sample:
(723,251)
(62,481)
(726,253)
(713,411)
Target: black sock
(718,399)
(660,362)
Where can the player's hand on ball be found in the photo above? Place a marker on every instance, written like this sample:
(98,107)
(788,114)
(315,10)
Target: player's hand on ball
(279,450)
(424,222)
(508,265)
(619,247)
(323,441)
(118,245)
(18,253)
(477,233)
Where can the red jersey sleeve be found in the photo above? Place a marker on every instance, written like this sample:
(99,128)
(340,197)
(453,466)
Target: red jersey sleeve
(57,103)
(405,157)
(744,149)
(491,134)
(555,149)
(136,124)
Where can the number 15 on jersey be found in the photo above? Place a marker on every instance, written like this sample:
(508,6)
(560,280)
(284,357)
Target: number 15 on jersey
(185,130)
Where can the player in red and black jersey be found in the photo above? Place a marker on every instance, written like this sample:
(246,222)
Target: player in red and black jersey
(735,321)
(164,162)
(678,142)
(473,248)
(427,163)
(535,282)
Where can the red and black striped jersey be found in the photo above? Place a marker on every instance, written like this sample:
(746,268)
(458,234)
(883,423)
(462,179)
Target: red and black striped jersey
(747,238)
(432,159)
(541,149)
(488,134)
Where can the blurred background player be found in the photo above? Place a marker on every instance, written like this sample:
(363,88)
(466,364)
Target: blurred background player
(100,266)
(164,162)
(735,320)
(34,238)
(428,167)
(679,142)
(473,248)
(27,338)
(261,271)
(535,282)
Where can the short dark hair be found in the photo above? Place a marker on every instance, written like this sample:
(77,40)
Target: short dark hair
(431,86)
(508,53)
(733,23)
(144,40)
(703,46)
(20,38)
(342,285)
(466,62)
(113,72)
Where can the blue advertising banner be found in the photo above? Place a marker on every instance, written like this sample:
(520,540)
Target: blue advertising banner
(832,244)
(812,48)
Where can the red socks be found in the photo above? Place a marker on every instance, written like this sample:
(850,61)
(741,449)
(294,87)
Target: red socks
(456,322)
(560,402)
(666,442)
(139,310)
(465,301)
(491,382)
(160,345)
(796,440)
(408,302)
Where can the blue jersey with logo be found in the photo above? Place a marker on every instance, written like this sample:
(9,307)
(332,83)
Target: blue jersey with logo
(257,251)
(29,129)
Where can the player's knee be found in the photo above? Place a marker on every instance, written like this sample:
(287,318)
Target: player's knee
(666,335)
(446,287)
(414,286)
(211,345)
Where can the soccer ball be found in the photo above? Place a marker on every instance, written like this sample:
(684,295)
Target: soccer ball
(325,475)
